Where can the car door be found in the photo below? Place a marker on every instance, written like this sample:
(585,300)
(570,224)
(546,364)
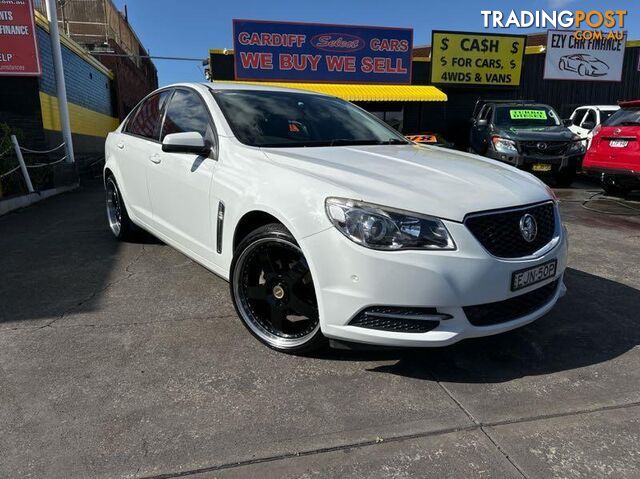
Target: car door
(180,183)
(589,122)
(573,62)
(139,140)
(576,121)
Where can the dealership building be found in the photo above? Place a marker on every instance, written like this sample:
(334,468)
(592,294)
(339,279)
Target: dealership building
(429,92)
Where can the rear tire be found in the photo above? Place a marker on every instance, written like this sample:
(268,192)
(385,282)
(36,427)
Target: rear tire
(582,71)
(615,190)
(119,222)
(273,291)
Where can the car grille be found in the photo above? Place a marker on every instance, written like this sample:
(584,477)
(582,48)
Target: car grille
(386,318)
(510,309)
(544,148)
(500,233)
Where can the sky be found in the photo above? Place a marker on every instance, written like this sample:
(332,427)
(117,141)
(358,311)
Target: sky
(191,27)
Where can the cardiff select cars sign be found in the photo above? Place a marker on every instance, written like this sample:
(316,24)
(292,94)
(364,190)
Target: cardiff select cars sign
(476,58)
(311,52)
(18,44)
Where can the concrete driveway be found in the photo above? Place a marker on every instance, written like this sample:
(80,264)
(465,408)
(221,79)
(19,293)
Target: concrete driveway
(127,360)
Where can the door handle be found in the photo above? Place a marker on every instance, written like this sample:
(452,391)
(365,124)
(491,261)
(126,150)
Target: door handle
(155,158)
(120,145)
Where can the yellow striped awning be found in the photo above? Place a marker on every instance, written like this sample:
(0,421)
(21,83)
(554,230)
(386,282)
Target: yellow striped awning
(365,92)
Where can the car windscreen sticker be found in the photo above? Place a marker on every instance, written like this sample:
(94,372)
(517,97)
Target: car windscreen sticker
(528,114)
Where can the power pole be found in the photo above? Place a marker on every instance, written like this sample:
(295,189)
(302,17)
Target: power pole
(52,16)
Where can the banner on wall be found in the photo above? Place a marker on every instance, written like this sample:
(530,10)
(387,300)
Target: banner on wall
(465,58)
(572,58)
(313,52)
(18,42)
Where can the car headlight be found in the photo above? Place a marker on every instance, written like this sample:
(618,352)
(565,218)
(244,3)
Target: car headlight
(502,145)
(577,147)
(383,228)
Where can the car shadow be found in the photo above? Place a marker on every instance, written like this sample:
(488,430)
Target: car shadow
(58,256)
(595,322)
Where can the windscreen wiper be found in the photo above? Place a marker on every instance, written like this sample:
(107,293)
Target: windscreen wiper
(351,141)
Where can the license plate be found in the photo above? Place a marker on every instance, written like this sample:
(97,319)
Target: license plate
(618,143)
(530,276)
(541,167)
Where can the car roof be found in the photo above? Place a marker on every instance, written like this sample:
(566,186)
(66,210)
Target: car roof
(222,85)
(600,107)
(518,104)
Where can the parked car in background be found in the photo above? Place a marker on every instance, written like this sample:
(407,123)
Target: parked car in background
(329,224)
(583,64)
(527,135)
(430,138)
(584,119)
(614,154)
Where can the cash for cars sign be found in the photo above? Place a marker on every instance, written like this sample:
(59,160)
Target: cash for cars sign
(476,58)
(18,44)
(310,52)
(572,58)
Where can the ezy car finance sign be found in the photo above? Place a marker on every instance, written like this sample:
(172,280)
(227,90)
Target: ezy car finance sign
(569,57)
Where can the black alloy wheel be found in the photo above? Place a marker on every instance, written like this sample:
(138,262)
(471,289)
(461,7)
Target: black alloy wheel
(273,292)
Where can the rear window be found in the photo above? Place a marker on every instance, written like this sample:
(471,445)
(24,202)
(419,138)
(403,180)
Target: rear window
(624,117)
(606,114)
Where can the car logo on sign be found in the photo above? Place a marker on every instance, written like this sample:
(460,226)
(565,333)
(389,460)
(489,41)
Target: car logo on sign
(338,42)
(541,146)
(528,227)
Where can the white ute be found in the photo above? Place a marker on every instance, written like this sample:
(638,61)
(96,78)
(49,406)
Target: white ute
(329,224)
(585,119)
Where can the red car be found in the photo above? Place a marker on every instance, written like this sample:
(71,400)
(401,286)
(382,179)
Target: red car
(614,154)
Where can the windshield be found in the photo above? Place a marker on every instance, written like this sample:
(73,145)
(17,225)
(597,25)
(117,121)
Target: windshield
(526,116)
(624,117)
(286,119)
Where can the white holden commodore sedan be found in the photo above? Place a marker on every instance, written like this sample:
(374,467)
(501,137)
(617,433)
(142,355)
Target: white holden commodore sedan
(328,224)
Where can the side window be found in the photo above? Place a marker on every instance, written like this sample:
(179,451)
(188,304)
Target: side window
(488,113)
(146,119)
(591,117)
(480,115)
(577,116)
(187,112)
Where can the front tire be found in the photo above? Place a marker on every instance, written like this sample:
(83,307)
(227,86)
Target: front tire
(273,291)
(119,222)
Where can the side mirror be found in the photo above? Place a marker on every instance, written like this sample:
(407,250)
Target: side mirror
(482,123)
(567,122)
(588,125)
(188,142)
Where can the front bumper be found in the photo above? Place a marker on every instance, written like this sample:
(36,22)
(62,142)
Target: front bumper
(350,278)
(526,162)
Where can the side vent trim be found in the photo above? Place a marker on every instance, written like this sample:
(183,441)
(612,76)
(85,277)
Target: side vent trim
(219,226)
